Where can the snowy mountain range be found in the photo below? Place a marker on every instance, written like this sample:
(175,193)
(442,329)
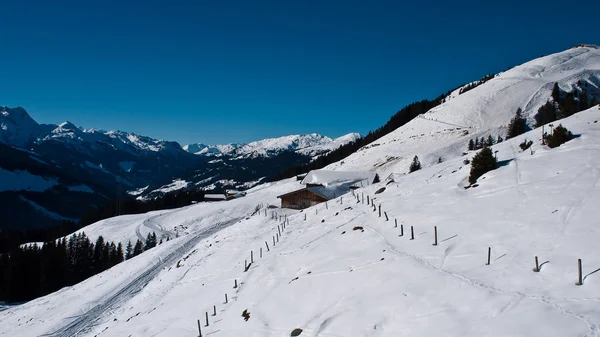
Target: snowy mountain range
(307,144)
(111,161)
(342,269)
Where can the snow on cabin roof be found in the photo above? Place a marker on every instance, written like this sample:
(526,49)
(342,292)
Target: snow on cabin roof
(327,178)
(215,196)
(328,193)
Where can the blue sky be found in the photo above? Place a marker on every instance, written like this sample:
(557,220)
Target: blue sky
(237,71)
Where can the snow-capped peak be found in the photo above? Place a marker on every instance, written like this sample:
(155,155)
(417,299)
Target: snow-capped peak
(309,144)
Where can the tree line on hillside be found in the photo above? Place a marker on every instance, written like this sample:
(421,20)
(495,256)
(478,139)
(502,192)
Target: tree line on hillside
(10,238)
(32,271)
(478,144)
(400,118)
(475,84)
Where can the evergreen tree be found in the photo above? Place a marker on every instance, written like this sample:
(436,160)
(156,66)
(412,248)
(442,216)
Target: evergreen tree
(559,136)
(583,99)
(546,114)
(500,139)
(556,92)
(490,140)
(517,125)
(415,165)
(477,145)
(471,145)
(120,257)
(129,251)
(138,248)
(568,106)
(150,241)
(98,255)
(484,161)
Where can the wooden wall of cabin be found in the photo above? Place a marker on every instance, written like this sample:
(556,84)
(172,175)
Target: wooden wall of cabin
(300,200)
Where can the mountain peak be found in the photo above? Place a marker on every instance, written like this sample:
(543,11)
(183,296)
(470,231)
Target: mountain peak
(16,126)
(308,144)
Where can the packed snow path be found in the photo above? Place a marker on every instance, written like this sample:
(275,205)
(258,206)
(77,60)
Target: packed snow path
(82,323)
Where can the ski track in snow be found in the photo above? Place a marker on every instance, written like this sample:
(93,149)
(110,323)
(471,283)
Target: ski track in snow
(88,319)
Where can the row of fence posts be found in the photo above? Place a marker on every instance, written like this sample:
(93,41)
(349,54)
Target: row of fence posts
(435,239)
(280,228)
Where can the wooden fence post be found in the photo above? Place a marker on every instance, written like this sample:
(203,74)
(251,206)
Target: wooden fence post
(580,278)
(234,283)
(214,310)
(206,318)
(489,255)
(380,210)
(251,256)
(199,330)
(386,217)
(326,205)
(401,230)
(273,240)
(277,237)
(245,266)
(304,216)
(266,244)
(261,252)
(537,265)
(412,233)
(368,203)
(435,243)
(226,299)
(395,223)
(363,198)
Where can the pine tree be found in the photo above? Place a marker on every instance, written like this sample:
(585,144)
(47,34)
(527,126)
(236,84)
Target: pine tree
(150,241)
(471,145)
(129,251)
(490,140)
(484,161)
(546,114)
(476,147)
(98,259)
(556,92)
(517,125)
(500,139)
(415,165)
(120,257)
(559,136)
(138,248)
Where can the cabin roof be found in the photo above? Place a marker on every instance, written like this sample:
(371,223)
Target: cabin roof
(330,178)
(325,192)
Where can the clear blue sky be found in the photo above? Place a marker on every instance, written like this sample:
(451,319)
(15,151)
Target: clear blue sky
(237,71)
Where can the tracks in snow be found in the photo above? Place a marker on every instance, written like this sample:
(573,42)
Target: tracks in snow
(85,321)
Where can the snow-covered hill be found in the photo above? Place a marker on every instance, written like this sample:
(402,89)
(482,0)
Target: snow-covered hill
(445,130)
(341,269)
(308,144)
(346,271)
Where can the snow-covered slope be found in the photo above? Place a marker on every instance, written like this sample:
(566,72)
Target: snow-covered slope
(308,144)
(346,271)
(445,130)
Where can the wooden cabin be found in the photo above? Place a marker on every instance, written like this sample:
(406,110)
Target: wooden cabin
(301,199)
(322,185)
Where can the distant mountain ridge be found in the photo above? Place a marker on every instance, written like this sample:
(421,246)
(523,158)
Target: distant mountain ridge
(308,144)
(55,164)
